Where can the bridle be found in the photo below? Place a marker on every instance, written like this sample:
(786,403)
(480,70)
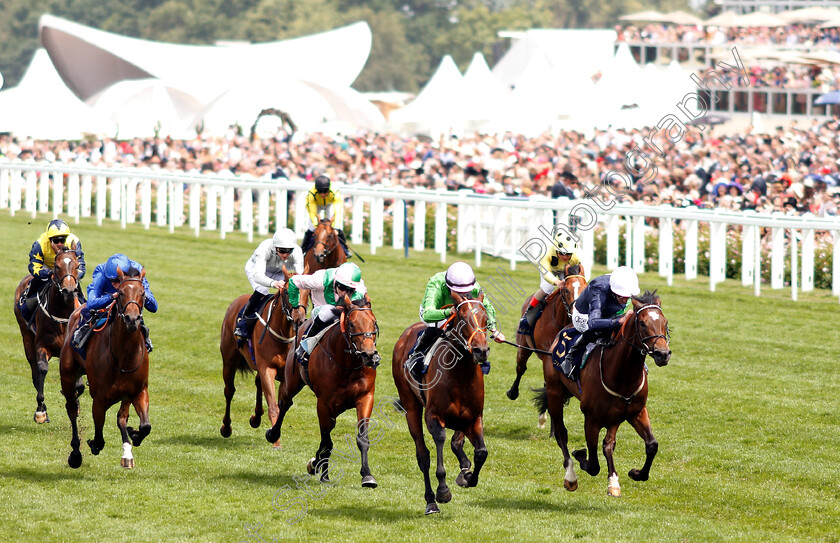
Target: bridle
(58,281)
(332,240)
(453,332)
(121,308)
(348,336)
(569,306)
(644,348)
(286,308)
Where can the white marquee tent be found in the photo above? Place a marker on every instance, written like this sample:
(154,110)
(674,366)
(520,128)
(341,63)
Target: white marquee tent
(438,107)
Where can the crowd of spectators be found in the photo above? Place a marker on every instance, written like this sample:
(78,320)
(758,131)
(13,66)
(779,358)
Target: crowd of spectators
(791,36)
(794,170)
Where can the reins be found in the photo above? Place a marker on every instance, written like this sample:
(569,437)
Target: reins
(121,314)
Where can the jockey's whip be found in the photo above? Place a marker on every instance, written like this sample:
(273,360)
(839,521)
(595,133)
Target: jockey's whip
(538,351)
(357,255)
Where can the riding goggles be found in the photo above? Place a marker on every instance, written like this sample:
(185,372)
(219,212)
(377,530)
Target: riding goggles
(58,239)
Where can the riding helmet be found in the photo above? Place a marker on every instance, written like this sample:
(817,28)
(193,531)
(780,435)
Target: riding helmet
(460,277)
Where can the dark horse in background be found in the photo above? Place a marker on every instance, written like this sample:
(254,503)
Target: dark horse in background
(55,304)
(613,388)
(326,251)
(341,371)
(272,338)
(451,392)
(117,368)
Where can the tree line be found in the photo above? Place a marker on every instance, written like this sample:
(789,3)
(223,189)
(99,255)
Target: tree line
(409,36)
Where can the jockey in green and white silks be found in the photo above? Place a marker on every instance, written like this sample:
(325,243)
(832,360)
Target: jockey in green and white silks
(328,288)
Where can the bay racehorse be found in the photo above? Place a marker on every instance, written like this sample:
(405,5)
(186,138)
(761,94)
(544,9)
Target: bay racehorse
(117,368)
(613,388)
(272,337)
(556,316)
(341,371)
(54,307)
(451,392)
(326,251)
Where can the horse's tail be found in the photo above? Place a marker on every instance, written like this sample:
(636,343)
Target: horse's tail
(242,366)
(540,399)
(396,404)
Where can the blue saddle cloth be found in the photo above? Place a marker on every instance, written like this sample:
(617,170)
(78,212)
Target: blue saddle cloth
(101,319)
(566,338)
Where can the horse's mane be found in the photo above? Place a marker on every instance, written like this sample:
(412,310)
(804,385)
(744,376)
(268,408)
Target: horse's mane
(573,270)
(361,302)
(131,272)
(647,298)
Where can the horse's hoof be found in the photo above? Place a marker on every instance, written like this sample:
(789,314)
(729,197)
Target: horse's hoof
(41,417)
(94,449)
(368,482)
(127,463)
(461,479)
(75,459)
(270,437)
(310,467)
(255,421)
(636,475)
(276,446)
(432,508)
(512,394)
(614,491)
(443,496)
(571,486)
(225,431)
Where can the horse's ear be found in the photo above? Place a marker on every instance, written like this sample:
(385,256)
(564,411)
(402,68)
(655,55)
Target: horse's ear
(286,273)
(306,269)
(142,273)
(367,300)
(347,301)
(481,295)
(73,246)
(636,303)
(120,274)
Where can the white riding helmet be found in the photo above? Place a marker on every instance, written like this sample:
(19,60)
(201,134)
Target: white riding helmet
(624,281)
(565,244)
(348,274)
(460,277)
(285,238)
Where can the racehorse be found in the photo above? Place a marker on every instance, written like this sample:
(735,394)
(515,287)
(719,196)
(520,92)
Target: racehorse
(326,251)
(451,391)
(50,322)
(556,316)
(267,352)
(117,368)
(341,371)
(613,388)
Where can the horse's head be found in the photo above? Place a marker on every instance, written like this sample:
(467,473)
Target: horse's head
(66,272)
(358,323)
(471,324)
(573,287)
(651,333)
(131,296)
(324,240)
(294,314)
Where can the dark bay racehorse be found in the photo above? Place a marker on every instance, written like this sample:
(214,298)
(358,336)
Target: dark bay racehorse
(613,389)
(326,251)
(117,368)
(273,337)
(50,322)
(452,393)
(342,373)
(556,316)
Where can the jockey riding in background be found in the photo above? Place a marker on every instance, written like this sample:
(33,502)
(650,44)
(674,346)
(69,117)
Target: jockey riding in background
(600,310)
(327,287)
(264,271)
(459,278)
(322,198)
(103,290)
(562,253)
(42,259)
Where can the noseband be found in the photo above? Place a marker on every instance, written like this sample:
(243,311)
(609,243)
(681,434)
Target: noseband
(643,348)
(569,307)
(61,279)
(122,307)
(453,332)
(327,250)
(348,336)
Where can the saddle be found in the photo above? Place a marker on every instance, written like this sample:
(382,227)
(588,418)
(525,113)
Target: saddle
(567,337)
(96,322)
(28,310)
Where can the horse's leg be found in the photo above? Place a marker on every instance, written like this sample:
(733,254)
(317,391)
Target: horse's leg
(98,442)
(71,404)
(438,432)
(556,402)
(292,384)
(141,406)
(127,460)
(414,420)
(326,421)
(613,488)
(642,425)
(522,356)
(457,444)
(590,465)
(40,366)
(256,418)
(229,378)
(266,387)
(476,436)
(364,407)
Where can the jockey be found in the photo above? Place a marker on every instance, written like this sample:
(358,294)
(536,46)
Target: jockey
(323,198)
(42,259)
(328,288)
(264,271)
(103,290)
(458,278)
(562,253)
(600,309)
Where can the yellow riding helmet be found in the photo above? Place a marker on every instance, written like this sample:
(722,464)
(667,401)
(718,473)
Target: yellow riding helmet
(565,244)
(57,227)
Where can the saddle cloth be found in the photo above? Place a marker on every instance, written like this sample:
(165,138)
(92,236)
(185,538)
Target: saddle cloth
(566,338)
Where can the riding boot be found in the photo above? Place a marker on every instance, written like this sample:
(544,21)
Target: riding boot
(568,366)
(145,330)
(306,244)
(84,330)
(343,242)
(29,307)
(80,295)
(308,343)
(245,324)
(529,319)
(417,356)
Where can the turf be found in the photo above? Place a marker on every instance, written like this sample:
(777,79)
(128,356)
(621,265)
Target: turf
(745,414)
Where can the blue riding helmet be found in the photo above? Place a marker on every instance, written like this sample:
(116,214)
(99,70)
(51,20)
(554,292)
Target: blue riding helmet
(116,261)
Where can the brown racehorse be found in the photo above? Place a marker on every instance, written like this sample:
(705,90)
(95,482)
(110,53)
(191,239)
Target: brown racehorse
(326,251)
(342,374)
(273,337)
(117,368)
(452,393)
(50,321)
(556,316)
(613,388)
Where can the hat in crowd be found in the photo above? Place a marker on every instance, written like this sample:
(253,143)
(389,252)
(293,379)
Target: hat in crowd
(798,190)
(791,202)
(568,175)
